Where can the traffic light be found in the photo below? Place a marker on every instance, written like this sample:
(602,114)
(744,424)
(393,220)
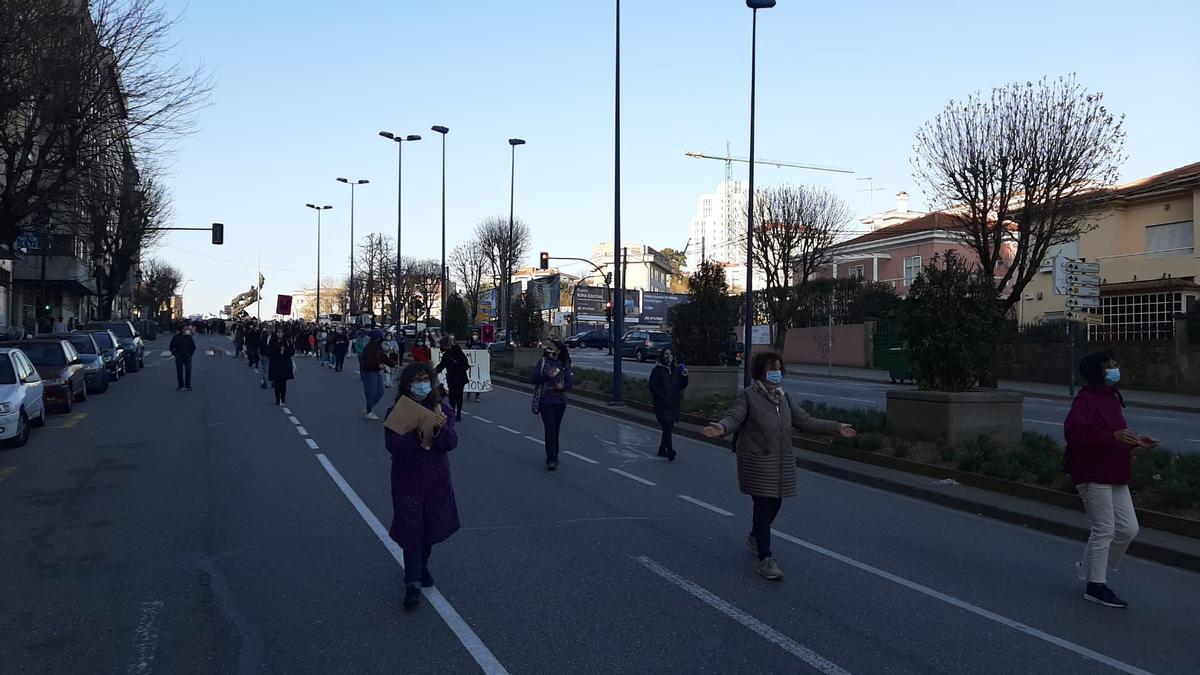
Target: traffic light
(545,260)
(218,234)
(608,311)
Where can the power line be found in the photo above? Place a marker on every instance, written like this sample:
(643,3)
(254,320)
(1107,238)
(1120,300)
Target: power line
(237,262)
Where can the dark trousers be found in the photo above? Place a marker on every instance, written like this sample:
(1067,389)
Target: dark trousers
(183,370)
(339,360)
(666,443)
(456,396)
(552,415)
(252,357)
(416,564)
(280,391)
(765,510)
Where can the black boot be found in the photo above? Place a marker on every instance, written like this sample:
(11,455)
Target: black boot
(412,596)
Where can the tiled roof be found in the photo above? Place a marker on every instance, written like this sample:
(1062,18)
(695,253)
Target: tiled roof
(1149,285)
(1184,176)
(926,223)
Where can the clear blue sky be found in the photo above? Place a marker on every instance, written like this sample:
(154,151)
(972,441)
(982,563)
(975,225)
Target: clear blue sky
(302,88)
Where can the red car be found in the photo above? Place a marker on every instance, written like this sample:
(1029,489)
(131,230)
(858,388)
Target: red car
(61,369)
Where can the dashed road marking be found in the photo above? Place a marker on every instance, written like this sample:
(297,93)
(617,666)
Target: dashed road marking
(68,421)
(961,604)
(1194,440)
(1056,424)
(1160,419)
(293,420)
(145,638)
(164,353)
(581,458)
(301,430)
(773,636)
(286,411)
(630,476)
(312,444)
(6,471)
(536,440)
(808,393)
(483,419)
(857,400)
(706,505)
(509,430)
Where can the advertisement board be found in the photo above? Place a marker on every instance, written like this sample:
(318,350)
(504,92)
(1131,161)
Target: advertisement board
(546,291)
(655,306)
(590,302)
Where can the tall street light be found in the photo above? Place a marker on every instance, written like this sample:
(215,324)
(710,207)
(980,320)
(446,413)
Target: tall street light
(353,184)
(399,183)
(318,209)
(512,192)
(443,131)
(618,299)
(748,328)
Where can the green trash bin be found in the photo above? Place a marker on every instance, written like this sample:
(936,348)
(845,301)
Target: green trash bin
(900,366)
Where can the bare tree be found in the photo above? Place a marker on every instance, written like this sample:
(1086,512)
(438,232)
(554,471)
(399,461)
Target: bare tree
(425,277)
(469,265)
(795,227)
(81,84)
(492,236)
(159,284)
(1019,171)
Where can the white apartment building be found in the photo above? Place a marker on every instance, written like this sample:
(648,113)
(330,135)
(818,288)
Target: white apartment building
(645,268)
(718,229)
(894,216)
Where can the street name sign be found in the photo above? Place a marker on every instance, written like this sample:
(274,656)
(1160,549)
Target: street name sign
(1074,302)
(1085,317)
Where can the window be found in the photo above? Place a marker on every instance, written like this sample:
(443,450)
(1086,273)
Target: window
(707,208)
(1146,316)
(1170,239)
(857,272)
(912,267)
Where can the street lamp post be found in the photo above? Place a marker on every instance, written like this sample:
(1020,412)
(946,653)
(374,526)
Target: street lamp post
(748,328)
(443,131)
(512,191)
(319,209)
(618,297)
(399,184)
(353,184)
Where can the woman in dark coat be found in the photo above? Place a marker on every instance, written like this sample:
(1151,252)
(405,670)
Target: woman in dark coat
(424,512)
(1099,458)
(763,416)
(340,344)
(553,375)
(454,362)
(667,383)
(280,351)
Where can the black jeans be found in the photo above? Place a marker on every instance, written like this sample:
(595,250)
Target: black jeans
(456,396)
(765,510)
(280,391)
(552,414)
(416,564)
(183,370)
(666,442)
(339,359)
(251,357)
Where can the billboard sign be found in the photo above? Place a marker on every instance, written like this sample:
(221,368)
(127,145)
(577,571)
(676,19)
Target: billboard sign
(590,302)
(546,291)
(655,306)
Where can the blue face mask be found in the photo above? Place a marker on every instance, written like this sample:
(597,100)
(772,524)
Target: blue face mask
(1112,376)
(420,390)
(774,376)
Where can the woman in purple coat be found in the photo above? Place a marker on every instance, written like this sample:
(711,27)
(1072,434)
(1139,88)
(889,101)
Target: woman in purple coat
(424,512)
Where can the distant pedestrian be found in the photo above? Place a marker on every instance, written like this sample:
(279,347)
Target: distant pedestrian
(267,332)
(392,349)
(421,352)
(253,339)
(60,327)
(475,343)
(182,346)
(762,419)
(373,360)
(280,350)
(1099,458)
(454,361)
(424,512)
(340,345)
(322,342)
(667,382)
(553,375)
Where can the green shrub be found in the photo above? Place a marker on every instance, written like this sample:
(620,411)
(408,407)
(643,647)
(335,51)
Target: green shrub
(1178,493)
(870,442)
(946,452)
(1039,455)
(1149,467)
(901,448)
(974,454)
(863,419)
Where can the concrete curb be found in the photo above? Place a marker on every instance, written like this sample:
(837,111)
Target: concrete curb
(1141,549)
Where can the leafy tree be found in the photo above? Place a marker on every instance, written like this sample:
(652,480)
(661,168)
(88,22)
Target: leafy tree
(677,259)
(952,323)
(456,316)
(703,325)
(527,320)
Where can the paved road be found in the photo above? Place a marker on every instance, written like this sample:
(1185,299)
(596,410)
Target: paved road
(211,532)
(1178,431)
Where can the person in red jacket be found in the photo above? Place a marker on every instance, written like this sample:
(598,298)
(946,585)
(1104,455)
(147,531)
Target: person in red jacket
(1099,458)
(420,351)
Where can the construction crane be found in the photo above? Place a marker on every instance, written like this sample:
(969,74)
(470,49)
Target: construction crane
(729,159)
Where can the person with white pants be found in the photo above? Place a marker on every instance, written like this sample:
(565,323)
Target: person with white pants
(1099,458)
(391,348)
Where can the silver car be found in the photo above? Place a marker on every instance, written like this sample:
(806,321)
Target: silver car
(22,399)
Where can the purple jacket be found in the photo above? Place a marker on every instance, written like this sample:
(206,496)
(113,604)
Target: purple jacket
(423,508)
(541,376)
(1094,455)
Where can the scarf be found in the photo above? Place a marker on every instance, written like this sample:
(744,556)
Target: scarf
(773,394)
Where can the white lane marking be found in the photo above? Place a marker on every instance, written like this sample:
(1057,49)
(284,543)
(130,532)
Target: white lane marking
(807,393)
(763,630)
(536,440)
(1057,424)
(312,444)
(961,604)
(1194,440)
(630,476)
(164,353)
(293,420)
(302,430)
(509,430)
(581,458)
(857,400)
(1160,419)
(466,413)
(287,411)
(483,419)
(145,638)
(706,505)
(1040,400)
(479,651)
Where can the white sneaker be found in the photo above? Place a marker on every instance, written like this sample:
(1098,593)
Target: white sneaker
(769,569)
(370,416)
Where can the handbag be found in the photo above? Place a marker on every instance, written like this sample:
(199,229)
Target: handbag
(535,404)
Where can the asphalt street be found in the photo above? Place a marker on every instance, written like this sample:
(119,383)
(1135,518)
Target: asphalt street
(212,532)
(1176,430)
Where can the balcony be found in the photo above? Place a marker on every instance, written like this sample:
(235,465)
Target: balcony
(62,271)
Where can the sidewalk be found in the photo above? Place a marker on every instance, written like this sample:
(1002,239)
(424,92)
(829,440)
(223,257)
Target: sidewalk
(1133,397)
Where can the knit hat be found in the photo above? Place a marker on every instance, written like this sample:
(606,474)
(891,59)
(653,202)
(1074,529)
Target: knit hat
(1091,367)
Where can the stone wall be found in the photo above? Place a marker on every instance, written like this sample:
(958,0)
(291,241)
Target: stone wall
(851,345)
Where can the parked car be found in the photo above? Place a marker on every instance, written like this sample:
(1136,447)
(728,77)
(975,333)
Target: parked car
(600,339)
(22,397)
(110,348)
(732,351)
(131,342)
(96,373)
(61,370)
(644,344)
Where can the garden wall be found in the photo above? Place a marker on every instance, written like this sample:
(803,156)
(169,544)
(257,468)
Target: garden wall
(851,345)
